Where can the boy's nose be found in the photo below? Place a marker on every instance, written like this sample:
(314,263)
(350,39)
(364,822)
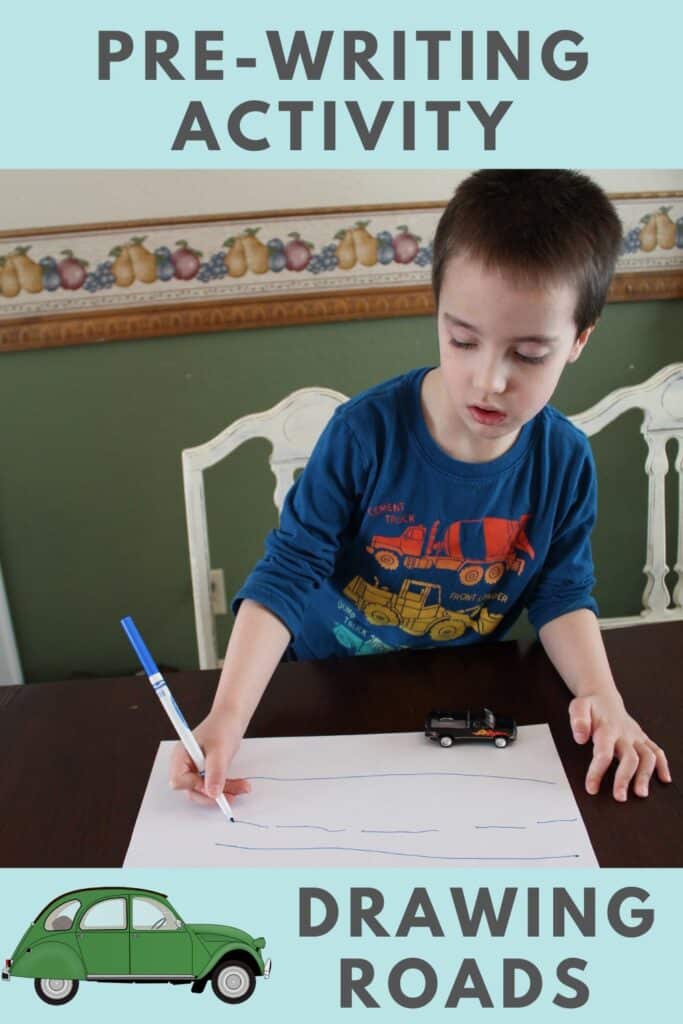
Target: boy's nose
(489,377)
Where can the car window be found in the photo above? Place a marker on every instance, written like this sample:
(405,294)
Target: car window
(447,722)
(149,914)
(62,917)
(105,914)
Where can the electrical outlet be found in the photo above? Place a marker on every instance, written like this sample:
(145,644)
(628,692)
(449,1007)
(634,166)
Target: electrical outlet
(219,605)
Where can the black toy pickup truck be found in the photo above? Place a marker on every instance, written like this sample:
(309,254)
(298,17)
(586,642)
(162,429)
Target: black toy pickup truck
(447,727)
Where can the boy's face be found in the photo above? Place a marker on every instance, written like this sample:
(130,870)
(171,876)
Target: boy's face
(503,347)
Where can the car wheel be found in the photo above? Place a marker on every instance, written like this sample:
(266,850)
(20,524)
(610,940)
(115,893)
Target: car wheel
(500,741)
(446,741)
(233,981)
(56,991)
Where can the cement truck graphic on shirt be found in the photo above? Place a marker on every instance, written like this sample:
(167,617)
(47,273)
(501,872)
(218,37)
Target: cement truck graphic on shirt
(475,549)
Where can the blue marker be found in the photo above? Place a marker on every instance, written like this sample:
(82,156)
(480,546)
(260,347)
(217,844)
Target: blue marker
(162,691)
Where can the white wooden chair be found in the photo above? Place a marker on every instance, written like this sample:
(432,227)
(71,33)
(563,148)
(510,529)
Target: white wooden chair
(294,425)
(661,399)
(10,666)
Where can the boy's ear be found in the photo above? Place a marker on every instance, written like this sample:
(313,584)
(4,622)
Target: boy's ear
(580,343)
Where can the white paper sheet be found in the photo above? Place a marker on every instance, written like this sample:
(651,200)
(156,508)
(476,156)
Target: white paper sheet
(380,800)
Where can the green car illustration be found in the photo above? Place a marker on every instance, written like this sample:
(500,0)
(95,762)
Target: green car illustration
(125,934)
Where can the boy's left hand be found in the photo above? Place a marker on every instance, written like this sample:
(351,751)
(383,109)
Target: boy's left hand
(615,734)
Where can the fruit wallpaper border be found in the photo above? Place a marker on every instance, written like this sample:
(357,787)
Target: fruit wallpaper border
(131,280)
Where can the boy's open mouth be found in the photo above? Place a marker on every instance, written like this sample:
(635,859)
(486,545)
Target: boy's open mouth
(490,417)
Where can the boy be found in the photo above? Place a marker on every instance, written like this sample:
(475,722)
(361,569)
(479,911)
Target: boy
(438,505)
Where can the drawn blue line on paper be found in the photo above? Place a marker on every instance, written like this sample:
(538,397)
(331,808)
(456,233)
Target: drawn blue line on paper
(395,775)
(322,828)
(552,821)
(390,853)
(258,824)
(325,828)
(519,827)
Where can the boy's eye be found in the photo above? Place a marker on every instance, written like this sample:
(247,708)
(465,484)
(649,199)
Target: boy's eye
(534,360)
(521,356)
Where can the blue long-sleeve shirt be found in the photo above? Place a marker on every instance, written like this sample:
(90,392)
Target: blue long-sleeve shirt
(385,541)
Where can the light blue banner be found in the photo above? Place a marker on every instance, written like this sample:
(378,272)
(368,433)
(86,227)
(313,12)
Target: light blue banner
(623,975)
(604,92)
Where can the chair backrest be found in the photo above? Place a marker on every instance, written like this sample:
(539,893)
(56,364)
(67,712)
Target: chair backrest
(10,666)
(292,426)
(661,400)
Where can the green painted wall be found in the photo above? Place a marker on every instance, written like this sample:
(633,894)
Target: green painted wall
(91,509)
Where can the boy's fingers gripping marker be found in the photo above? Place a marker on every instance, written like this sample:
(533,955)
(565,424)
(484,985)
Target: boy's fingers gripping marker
(214,774)
(160,687)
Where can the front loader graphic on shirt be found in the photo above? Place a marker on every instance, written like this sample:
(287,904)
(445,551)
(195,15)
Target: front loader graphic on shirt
(417,609)
(415,549)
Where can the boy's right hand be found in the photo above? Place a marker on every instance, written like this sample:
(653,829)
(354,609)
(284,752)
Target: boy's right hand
(219,740)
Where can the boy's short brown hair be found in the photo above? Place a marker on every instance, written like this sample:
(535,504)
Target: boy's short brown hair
(539,225)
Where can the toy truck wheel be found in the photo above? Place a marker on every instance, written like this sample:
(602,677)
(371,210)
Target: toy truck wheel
(387,559)
(56,991)
(233,981)
(446,741)
(494,572)
(378,615)
(500,741)
(447,631)
(472,575)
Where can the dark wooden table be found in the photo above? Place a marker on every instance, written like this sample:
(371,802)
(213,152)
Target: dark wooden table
(76,755)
